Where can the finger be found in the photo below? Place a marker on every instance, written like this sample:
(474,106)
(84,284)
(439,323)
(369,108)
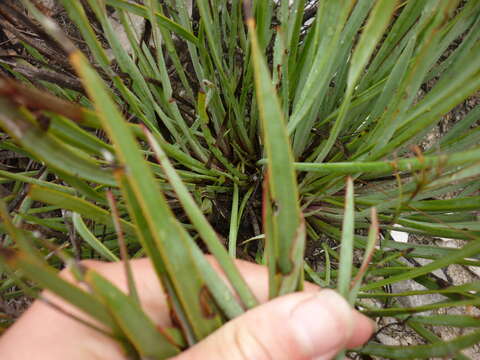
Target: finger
(43,333)
(299,326)
(154,300)
(363,328)
(256,277)
(151,294)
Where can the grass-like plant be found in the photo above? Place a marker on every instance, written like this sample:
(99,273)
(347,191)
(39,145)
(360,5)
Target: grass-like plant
(291,121)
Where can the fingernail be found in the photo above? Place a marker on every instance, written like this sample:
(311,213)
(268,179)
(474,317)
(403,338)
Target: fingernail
(322,324)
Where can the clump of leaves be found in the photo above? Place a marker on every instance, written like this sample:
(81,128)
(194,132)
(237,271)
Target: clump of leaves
(254,114)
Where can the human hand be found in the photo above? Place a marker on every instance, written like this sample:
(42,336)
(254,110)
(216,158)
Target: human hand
(307,325)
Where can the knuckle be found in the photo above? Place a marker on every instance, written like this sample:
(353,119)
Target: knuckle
(250,345)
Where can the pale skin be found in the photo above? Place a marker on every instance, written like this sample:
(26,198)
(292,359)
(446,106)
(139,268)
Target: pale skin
(313,324)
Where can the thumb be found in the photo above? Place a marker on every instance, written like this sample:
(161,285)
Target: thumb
(299,326)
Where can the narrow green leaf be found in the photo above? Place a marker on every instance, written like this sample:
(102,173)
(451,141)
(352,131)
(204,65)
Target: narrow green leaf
(373,233)
(139,329)
(207,233)
(171,240)
(283,191)
(232,236)
(448,320)
(471,249)
(389,167)
(431,337)
(24,178)
(75,204)
(468,289)
(212,143)
(132,289)
(91,239)
(47,278)
(346,245)
(444,349)
(77,13)
(70,133)
(47,148)
(372,33)
(421,308)
(162,20)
